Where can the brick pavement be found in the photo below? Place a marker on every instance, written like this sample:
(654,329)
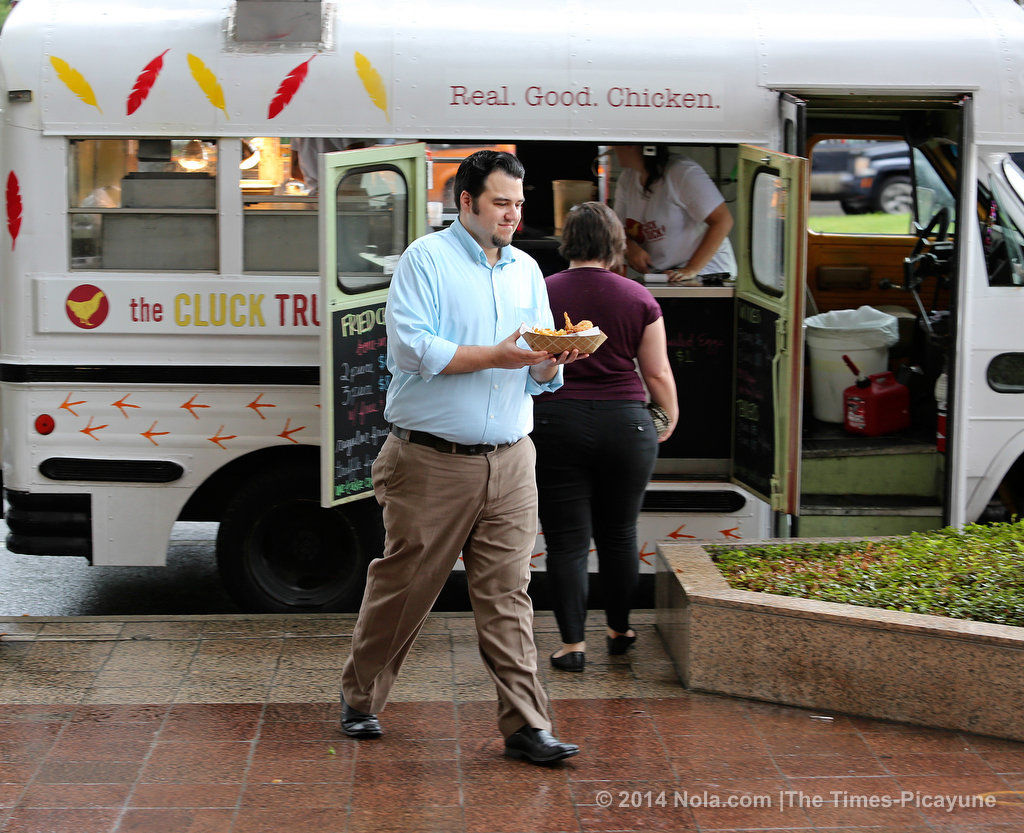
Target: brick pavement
(229,724)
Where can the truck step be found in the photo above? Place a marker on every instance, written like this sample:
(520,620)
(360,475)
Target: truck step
(914,474)
(827,515)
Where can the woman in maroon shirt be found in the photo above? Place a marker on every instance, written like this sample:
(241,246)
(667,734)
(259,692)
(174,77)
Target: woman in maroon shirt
(596,441)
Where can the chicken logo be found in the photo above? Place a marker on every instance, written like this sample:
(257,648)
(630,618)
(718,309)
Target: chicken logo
(87,306)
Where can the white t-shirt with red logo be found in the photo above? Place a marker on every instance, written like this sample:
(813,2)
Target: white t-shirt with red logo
(669,222)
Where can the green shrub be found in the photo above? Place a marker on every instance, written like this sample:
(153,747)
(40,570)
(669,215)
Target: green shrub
(975,573)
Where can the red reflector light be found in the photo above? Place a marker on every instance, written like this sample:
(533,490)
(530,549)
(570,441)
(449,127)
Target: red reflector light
(45,424)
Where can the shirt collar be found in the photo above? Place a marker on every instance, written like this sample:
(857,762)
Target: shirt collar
(474,250)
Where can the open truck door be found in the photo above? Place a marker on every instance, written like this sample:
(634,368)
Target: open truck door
(372,205)
(768,400)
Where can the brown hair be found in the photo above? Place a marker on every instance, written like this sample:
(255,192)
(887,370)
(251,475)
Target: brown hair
(593,231)
(475,169)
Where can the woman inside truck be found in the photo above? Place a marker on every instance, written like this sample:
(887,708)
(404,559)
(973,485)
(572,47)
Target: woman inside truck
(676,220)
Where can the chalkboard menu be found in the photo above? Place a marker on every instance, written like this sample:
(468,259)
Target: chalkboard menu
(360,383)
(754,414)
(699,332)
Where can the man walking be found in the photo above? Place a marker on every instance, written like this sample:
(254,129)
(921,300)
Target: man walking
(456,473)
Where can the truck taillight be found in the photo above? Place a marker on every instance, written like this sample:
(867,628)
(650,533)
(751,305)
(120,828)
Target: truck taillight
(45,424)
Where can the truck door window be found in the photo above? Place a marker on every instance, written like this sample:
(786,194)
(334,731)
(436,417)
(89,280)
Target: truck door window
(1001,235)
(143,204)
(372,222)
(1005,373)
(1014,175)
(931,192)
(767,229)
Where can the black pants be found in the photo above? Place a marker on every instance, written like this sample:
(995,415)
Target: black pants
(594,460)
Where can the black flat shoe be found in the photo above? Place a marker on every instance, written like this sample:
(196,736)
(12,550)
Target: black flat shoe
(620,644)
(538,746)
(357,724)
(572,661)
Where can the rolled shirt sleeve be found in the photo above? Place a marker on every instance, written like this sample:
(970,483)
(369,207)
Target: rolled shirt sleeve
(533,387)
(413,320)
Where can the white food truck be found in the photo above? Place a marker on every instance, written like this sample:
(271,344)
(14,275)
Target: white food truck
(192,285)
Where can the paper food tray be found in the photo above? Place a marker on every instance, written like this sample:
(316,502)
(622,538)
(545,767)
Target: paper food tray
(586,341)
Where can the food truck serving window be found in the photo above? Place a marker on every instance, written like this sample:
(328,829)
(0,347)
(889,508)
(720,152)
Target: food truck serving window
(143,204)
(279,225)
(281,216)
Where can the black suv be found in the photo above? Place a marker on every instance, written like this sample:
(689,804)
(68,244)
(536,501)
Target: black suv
(863,174)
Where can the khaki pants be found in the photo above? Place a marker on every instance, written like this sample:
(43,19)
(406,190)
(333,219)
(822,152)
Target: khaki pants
(437,505)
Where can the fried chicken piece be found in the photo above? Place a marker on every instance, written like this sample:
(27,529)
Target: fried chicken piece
(571,328)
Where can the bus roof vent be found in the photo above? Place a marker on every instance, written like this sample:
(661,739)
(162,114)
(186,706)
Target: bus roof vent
(279,22)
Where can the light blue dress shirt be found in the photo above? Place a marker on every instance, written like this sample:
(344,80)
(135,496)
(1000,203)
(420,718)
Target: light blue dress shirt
(445,294)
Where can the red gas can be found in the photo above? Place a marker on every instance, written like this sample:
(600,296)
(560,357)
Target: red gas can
(876,405)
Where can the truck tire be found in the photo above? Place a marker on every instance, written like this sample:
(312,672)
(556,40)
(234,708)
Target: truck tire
(279,551)
(896,196)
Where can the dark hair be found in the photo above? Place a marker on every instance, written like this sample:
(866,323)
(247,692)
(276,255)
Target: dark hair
(654,165)
(592,231)
(478,166)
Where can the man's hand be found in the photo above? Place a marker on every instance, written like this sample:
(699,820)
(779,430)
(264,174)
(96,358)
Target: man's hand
(507,355)
(510,356)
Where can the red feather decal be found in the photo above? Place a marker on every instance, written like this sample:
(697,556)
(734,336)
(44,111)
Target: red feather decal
(144,83)
(13,207)
(292,81)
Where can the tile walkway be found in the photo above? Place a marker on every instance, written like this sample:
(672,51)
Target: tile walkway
(229,724)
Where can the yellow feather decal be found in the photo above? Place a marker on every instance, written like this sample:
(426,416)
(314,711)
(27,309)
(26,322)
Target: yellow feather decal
(207,82)
(372,82)
(75,81)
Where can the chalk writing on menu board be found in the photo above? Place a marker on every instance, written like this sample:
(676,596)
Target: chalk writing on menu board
(699,332)
(360,382)
(754,415)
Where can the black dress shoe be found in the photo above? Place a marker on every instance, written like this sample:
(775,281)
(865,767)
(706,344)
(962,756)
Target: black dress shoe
(357,724)
(538,746)
(572,661)
(620,644)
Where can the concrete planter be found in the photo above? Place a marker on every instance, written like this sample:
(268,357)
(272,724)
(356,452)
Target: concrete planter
(927,670)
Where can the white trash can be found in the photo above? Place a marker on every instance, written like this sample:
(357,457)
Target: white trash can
(864,334)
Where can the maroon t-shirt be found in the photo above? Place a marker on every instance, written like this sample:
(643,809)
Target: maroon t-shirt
(622,309)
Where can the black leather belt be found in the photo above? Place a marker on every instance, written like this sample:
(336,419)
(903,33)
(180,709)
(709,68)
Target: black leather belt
(446,446)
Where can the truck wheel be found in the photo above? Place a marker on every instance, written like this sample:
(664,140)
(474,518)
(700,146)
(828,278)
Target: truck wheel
(896,196)
(279,551)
